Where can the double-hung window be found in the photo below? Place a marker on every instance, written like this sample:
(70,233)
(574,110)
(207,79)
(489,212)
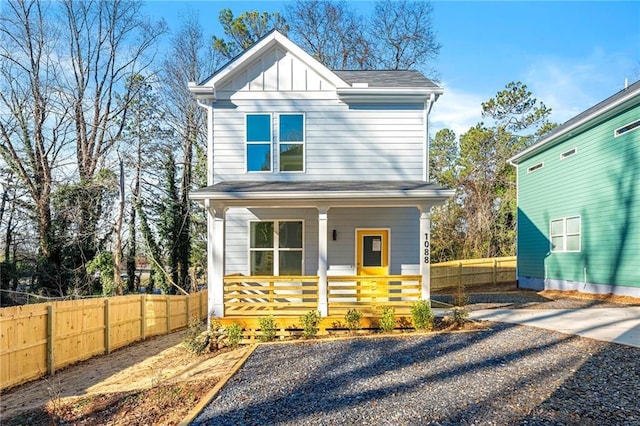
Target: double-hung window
(565,234)
(276,247)
(258,138)
(291,141)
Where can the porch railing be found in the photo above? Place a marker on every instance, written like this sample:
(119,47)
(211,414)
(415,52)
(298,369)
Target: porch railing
(278,296)
(370,294)
(296,295)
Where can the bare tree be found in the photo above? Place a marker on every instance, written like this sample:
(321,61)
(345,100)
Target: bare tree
(331,32)
(32,111)
(404,34)
(107,42)
(187,61)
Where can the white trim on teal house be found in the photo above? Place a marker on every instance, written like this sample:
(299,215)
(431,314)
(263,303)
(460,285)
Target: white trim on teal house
(364,149)
(579,202)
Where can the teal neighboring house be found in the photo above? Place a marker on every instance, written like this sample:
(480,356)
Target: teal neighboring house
(579,202)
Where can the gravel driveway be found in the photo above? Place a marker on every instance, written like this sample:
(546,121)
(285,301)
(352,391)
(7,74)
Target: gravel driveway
(508,374)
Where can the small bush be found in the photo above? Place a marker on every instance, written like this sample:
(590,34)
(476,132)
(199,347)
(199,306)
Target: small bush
(388,319)
(458,317)
(234,335)
(353,318)
(196,340)
(460,297)
(421,315)
(310,322)
(268,329)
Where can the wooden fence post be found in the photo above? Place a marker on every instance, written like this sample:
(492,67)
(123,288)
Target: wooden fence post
(107,327)
(188,311)
(168,314)
(143,317)
(495,271)
(50,338)
(459,273)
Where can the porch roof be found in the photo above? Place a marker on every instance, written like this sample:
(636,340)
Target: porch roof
(313,193)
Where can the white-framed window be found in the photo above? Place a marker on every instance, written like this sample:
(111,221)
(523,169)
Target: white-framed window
(535,167)
(276,247)
(564,234)
(634,125)
(569,153)
(291,137)
(258,140)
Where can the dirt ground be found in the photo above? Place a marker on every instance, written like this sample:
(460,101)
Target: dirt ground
(152,382)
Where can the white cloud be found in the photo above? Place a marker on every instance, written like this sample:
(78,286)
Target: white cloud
(456,110)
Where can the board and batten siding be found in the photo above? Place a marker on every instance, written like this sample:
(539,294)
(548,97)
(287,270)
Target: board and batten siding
(402,222)
(342,142)
(601,184)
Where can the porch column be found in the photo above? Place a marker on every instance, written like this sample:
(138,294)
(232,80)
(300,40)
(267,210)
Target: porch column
(215,260)
(322,260)
(425,250)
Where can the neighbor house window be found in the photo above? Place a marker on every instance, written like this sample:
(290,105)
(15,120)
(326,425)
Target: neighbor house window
(535,167)
(569,153)
(565,234)
(258,138)
(291,139)
(276,247)
(634,125)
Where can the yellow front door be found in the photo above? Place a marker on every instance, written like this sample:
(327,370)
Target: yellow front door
(372,251)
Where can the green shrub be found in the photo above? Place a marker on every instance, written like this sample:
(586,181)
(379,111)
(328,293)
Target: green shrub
(196,340)
(267,329)
(353,318)
(234,335)
(421,315)
(388,319)
(460,297)
(458,316)
(310,322)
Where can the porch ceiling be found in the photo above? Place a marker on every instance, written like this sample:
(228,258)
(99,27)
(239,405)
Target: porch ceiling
(323,193)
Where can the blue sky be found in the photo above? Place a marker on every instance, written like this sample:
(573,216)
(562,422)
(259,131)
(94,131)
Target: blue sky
(570,54)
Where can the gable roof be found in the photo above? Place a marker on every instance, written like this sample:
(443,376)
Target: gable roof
(350,84)
(596,114)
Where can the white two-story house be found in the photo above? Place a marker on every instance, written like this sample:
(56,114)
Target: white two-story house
(318,191)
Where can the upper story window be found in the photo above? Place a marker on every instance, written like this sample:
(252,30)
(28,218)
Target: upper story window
(565,234)
(291,132)
(258,138)
(535,167)
(634,125)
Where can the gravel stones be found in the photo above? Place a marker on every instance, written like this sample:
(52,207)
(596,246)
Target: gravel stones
(508,374)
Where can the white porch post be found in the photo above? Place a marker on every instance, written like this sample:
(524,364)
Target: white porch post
(322,260)
(215,260)
(425,250)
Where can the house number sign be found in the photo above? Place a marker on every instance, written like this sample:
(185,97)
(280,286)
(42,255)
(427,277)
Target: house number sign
(427,249)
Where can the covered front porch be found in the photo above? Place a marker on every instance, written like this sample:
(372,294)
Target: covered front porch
(363,245)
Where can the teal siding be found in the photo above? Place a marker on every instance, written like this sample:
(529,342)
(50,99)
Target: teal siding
(600,183)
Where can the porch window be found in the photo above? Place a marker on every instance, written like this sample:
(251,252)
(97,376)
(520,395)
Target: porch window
(291,133)
(276,247)
(258,138)
(565,234)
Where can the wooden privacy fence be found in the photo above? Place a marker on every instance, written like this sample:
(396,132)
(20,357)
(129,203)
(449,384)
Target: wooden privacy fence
(473,272)
(38,339)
